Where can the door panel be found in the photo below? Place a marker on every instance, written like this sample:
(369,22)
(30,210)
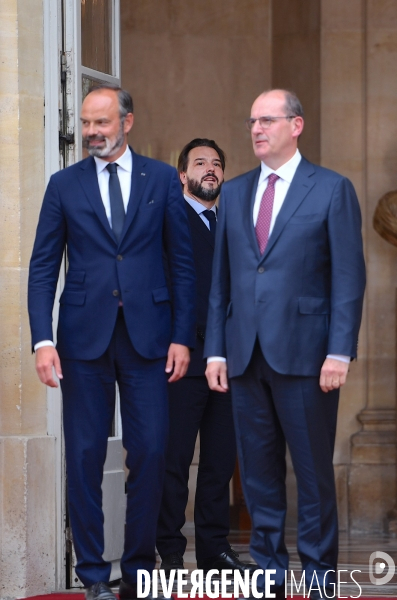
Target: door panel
(92,55)
(96,35)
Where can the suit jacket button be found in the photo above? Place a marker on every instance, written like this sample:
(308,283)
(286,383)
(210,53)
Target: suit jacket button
(119,257)
(261,270)
(115,292)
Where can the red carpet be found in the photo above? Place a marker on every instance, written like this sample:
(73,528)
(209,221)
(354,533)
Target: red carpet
(58,597)
(73,596)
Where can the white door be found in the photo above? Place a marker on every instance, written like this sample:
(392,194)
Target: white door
(82,40)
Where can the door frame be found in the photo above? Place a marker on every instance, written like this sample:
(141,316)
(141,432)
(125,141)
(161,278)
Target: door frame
(79,70)
(62,88)
(52,89)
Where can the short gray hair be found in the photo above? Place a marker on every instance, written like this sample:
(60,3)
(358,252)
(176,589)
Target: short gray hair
(293,105)
(126,104)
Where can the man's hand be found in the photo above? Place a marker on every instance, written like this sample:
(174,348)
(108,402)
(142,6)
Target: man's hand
(216,374)
(333,374)
(177,360)
(47,359)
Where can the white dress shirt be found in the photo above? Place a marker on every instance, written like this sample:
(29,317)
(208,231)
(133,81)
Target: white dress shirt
(200,208)
(124,171)
(286,174)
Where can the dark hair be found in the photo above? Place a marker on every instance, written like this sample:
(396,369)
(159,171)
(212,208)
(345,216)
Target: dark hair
(198,143)
(125,101)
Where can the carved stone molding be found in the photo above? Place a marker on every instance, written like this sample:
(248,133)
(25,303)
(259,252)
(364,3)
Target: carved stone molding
(372,474)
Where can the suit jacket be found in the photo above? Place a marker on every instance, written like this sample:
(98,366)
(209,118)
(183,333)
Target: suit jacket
(303,297)
(203,252)
(102,271)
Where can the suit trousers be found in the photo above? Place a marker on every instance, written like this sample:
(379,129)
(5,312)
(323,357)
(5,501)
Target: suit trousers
(88,389)
(193,408)
(270,410)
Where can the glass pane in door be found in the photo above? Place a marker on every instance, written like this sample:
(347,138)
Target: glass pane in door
(87,83)
(96,35)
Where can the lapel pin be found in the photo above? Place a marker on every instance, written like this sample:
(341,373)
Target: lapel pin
(143,174)
(151,202)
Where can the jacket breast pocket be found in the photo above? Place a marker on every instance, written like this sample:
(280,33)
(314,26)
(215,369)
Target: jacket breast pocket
(74,298)
(306,219)
(311,305)
(152,204)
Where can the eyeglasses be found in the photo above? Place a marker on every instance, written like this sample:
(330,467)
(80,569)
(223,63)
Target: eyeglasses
(265,122)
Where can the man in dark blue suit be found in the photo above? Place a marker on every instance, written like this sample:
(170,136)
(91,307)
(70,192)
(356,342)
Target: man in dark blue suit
(284,315)
(194,408)
(115,212)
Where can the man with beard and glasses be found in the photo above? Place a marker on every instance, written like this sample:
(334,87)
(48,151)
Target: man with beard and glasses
(116,212)
(193,406)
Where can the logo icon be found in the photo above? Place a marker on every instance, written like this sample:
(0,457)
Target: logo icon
(378,561)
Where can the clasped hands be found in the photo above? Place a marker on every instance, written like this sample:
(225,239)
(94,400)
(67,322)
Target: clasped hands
(48,362)
(332,376)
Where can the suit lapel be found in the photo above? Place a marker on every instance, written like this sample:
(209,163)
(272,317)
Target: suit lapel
(139,177)
(199,226)
(248,188)
(300,186)
(89,181)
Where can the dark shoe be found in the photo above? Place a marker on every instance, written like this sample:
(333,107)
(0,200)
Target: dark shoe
(99,591)
(128,591)
(172,561)
(226,560)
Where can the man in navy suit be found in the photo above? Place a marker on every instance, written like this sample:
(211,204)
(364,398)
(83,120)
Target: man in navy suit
(115,212)
(284,315)
(193,406)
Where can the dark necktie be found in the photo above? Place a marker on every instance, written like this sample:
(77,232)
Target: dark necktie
(210,215)
(262,227)
(116,201)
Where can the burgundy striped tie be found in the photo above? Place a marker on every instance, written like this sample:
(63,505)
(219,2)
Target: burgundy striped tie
(265,214)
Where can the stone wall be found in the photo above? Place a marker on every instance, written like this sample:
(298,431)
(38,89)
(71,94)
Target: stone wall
(193,70)
(27,472)
(372,473)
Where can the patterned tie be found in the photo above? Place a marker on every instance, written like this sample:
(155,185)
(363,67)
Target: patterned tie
(116,200)
(210,215)
(265,214)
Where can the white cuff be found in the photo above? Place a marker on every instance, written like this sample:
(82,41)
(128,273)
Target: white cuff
(43,343)
(341,357)
(215,358)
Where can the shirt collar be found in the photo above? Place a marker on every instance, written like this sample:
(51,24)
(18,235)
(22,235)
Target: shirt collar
(197,206)
(286,171)
(124,161)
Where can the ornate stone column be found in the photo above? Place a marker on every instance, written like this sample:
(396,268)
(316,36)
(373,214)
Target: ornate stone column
(372,472)
(385,223)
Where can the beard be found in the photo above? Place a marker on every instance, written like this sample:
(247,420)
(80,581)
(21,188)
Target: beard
(109,148)
(195,188)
